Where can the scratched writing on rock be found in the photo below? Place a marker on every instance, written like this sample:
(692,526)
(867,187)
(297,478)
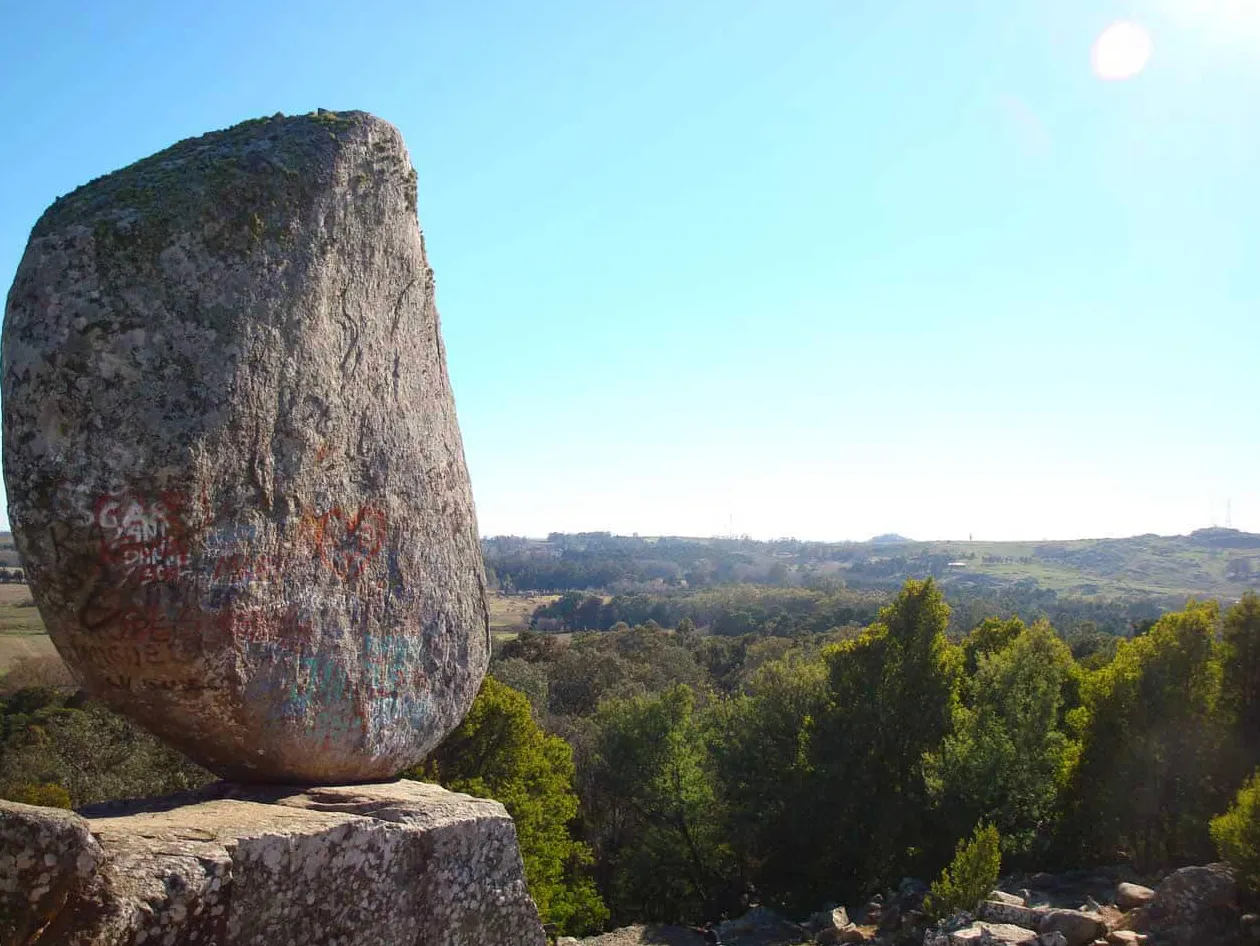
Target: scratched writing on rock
(252,581)
(143,539)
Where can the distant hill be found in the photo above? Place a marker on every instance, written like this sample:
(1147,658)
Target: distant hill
(1220,563)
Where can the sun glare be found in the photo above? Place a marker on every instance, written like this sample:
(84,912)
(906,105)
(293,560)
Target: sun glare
(1121,51)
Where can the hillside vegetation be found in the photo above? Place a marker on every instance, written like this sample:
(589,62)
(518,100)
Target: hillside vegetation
(671,774)
(1209,562)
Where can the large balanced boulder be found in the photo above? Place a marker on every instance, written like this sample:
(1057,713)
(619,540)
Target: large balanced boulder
(233,466)
(371,865)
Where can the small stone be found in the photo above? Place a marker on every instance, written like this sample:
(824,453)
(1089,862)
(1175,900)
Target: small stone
(1129,896)
(1077,928)
(993,933)
(1001,896)
(1125,938)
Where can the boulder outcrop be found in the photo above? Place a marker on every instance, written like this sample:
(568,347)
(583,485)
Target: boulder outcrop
(234,471)
(1193,906)
(394,864)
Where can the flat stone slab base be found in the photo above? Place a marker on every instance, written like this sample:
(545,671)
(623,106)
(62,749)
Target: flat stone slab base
(235,865)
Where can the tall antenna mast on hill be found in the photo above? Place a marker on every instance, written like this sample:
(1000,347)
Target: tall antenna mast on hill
(1229,514)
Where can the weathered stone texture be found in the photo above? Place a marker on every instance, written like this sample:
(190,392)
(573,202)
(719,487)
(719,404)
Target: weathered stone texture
(233,466)
(399,864)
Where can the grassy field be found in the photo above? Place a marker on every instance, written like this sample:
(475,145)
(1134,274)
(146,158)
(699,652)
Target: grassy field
(510,614)
(1141,565)
(21,630)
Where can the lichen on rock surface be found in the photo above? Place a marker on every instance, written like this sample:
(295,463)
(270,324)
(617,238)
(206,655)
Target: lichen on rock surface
(233,465)
(395,864)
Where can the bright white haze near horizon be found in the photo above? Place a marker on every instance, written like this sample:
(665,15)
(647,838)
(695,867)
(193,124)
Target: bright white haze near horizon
(823,270)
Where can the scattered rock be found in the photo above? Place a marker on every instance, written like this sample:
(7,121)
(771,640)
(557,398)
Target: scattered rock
(367,865)
(983,934)
(1125,938)
(1077,928)
(841,937)
(834,919)
(996,911)
(649,935)
(760,926)
(1111,918)
(889,919)
(832,927)
(234,471)
(1129,896)
(1053,938)
(1001,896)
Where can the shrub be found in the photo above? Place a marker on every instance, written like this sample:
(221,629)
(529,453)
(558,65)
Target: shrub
(970,876)
(49,795)
(1237,833)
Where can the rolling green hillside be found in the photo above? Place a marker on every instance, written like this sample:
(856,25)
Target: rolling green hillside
(1219,563)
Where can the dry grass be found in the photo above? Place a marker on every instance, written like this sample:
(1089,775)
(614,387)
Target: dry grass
(16,647)
(22,634)
(44,671)
(14,594)
(510,614)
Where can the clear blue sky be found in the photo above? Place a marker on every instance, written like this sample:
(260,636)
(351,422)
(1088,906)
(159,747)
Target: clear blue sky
(821,269)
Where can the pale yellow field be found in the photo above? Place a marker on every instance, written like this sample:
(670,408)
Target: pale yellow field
(12,594)
(510,614)
(21,630)
(16,646)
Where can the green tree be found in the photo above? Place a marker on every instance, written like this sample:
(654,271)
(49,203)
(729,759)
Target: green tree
(500,752)
(528,678)
(1237,834)
(890,702)
(970,876)
(1150,775)
(661,846)
(989,637)
(763,755)
(1009,756)
(1240,696)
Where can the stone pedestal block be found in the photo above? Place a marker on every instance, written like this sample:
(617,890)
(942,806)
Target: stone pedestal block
(366,865)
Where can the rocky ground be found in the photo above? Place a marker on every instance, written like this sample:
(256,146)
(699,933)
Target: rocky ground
(1193,906)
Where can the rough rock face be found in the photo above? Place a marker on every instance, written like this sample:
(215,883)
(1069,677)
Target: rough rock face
(1194,906)
(1077,927)
(401,864)
(233,466)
